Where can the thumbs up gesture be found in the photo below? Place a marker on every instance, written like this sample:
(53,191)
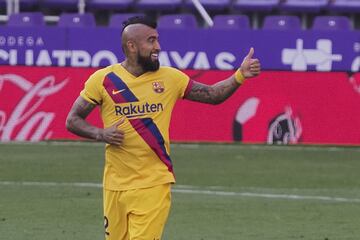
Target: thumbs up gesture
(250,67)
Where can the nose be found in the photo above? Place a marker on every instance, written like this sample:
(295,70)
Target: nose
(157,46)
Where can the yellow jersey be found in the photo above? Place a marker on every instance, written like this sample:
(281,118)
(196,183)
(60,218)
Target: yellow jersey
(146,103)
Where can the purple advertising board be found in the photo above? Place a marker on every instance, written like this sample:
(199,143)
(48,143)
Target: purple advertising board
(185,49)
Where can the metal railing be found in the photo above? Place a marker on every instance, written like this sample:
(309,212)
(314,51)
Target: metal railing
(204,14)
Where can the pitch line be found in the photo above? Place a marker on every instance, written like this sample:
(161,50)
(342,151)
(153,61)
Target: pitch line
(186,189)
(329,148)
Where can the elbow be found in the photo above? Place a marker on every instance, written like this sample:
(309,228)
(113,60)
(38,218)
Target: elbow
(68,124)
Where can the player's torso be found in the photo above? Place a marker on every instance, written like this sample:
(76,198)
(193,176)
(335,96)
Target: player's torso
(145,103)
(147,96)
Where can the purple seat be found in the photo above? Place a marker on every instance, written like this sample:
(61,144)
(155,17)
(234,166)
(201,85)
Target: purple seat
(116,20)
(76,20)
(65,4)
(210,5)
(26,19)
(256,5)
(158,5)
(331,23)
(109,4)
(177,21)
(345,6)
(282,23)
(313,6)
(26,4)
(231,22)
(3,5)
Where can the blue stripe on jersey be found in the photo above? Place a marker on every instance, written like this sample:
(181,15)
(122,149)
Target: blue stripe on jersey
(120,84)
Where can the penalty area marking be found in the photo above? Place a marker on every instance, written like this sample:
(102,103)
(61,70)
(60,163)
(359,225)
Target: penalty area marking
(187,189)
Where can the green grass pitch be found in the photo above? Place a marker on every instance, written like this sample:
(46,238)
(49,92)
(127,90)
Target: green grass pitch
(52,191)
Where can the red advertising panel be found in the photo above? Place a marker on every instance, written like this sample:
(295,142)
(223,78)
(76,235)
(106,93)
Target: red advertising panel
(34,101)
(276,107)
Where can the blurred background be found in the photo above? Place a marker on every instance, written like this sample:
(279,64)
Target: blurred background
(309,51)
(236,179)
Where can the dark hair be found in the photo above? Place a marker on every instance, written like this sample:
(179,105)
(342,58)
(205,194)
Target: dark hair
(150,22)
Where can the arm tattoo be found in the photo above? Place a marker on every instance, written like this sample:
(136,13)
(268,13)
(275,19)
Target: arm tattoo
(213,94)
(76,123)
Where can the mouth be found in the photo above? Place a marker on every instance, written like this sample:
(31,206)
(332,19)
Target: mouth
(154,56)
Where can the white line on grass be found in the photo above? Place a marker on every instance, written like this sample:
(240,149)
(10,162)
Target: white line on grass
(329,148)
(188,189)
(325,148)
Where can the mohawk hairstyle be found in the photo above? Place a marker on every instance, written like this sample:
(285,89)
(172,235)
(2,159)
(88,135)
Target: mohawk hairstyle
(150,22)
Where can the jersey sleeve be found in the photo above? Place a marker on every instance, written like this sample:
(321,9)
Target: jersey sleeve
(183,82)
(92,89)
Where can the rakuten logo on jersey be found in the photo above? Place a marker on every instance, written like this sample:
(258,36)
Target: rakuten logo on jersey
(134,110)
(24,121)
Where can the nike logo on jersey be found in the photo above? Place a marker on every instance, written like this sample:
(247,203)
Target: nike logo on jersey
(117,91)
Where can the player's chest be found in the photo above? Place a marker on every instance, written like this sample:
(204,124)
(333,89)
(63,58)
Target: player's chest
(137,91)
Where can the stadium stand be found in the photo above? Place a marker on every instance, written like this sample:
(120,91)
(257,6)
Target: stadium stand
(159,5)
(28,4)
(77,20)
(3,7)
(256,5)
(26,19)
(307,8)
(231,22)
(331,23)
(109,4)
(177,21)
(344,6)
(282,22)
(314,6)
(117,19)
(211,5)
(60,4)
(256,10)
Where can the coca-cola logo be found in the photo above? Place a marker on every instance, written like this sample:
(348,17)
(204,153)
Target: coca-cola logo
(25,121)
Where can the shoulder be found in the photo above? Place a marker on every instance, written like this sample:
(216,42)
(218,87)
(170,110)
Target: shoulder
(169,69)
(174,72)
(104,71)
(100,74)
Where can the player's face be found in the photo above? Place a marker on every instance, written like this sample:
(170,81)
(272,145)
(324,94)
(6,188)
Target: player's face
(149,48)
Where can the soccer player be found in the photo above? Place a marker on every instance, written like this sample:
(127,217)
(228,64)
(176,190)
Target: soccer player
(136,98)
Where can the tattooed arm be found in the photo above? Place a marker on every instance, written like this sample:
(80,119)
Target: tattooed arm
(76,123)
(213,94)
(222,90)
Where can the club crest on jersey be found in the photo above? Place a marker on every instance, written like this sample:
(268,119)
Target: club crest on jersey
(158,87)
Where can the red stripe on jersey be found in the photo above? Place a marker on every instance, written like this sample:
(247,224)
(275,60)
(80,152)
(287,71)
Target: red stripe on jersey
(188,88)
(148,130)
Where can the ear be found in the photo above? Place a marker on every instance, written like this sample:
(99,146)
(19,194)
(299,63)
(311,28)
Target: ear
(131,46)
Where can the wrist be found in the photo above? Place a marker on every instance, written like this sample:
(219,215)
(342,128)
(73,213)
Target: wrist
(99,135)
(239,77)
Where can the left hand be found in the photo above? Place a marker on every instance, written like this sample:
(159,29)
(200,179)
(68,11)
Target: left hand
(250,67)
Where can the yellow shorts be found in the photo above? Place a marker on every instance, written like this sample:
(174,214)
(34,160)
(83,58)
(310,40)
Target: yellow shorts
(138,214)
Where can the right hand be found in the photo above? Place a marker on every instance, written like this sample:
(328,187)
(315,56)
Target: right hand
(113,135)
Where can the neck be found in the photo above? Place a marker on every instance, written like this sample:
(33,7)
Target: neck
(132,67)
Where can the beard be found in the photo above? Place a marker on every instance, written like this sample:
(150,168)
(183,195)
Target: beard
(147,63)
